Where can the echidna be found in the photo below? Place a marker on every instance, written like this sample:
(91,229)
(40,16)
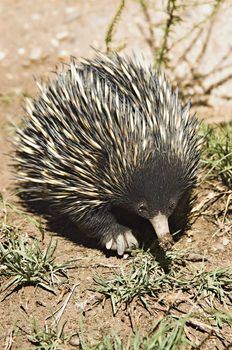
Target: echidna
(108,133)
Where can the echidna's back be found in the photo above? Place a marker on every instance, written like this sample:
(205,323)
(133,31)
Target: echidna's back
(94,125)
(80,138)
(126,75)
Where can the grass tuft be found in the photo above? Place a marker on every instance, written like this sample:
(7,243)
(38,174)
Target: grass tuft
(167,333)
(213,285)
(217,152)
(146,277)
(25,263)
(48,339)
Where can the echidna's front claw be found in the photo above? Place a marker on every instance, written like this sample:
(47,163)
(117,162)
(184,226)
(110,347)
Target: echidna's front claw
(122,242)
(109,244)
(131,240)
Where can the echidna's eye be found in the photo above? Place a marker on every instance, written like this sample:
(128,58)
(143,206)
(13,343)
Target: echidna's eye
(142,207)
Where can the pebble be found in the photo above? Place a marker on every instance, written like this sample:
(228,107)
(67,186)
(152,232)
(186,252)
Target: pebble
(55,42)
(2,55)
(125,256)
(206,9)
(62,35)
(21,51)
(35,54)
(70,9)
(72,17)
(225,241)
(72,14)
(74,341)
(18,91)
(63,55)
(26,63)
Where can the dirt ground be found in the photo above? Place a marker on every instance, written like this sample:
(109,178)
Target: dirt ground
(35,36)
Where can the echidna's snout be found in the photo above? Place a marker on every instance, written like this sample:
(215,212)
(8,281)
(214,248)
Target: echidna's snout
(160,225)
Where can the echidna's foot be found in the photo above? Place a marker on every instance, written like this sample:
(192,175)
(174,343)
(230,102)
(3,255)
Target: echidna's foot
(122,242)
(166,242)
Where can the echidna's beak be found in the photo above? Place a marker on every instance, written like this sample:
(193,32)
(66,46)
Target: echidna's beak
(160,224)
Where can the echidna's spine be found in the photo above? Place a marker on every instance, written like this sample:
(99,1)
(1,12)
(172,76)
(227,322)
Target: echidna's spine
(99,135)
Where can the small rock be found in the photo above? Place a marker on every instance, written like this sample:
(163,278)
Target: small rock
(26,63)
(35,54)
(74,341)
(21,51)
(62,35)
(63,55)
(18,91)
(72,14)
(70,9)
(189,240)
(206,9)
(54,42)
(225,241)
(2,55)
(72,17)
